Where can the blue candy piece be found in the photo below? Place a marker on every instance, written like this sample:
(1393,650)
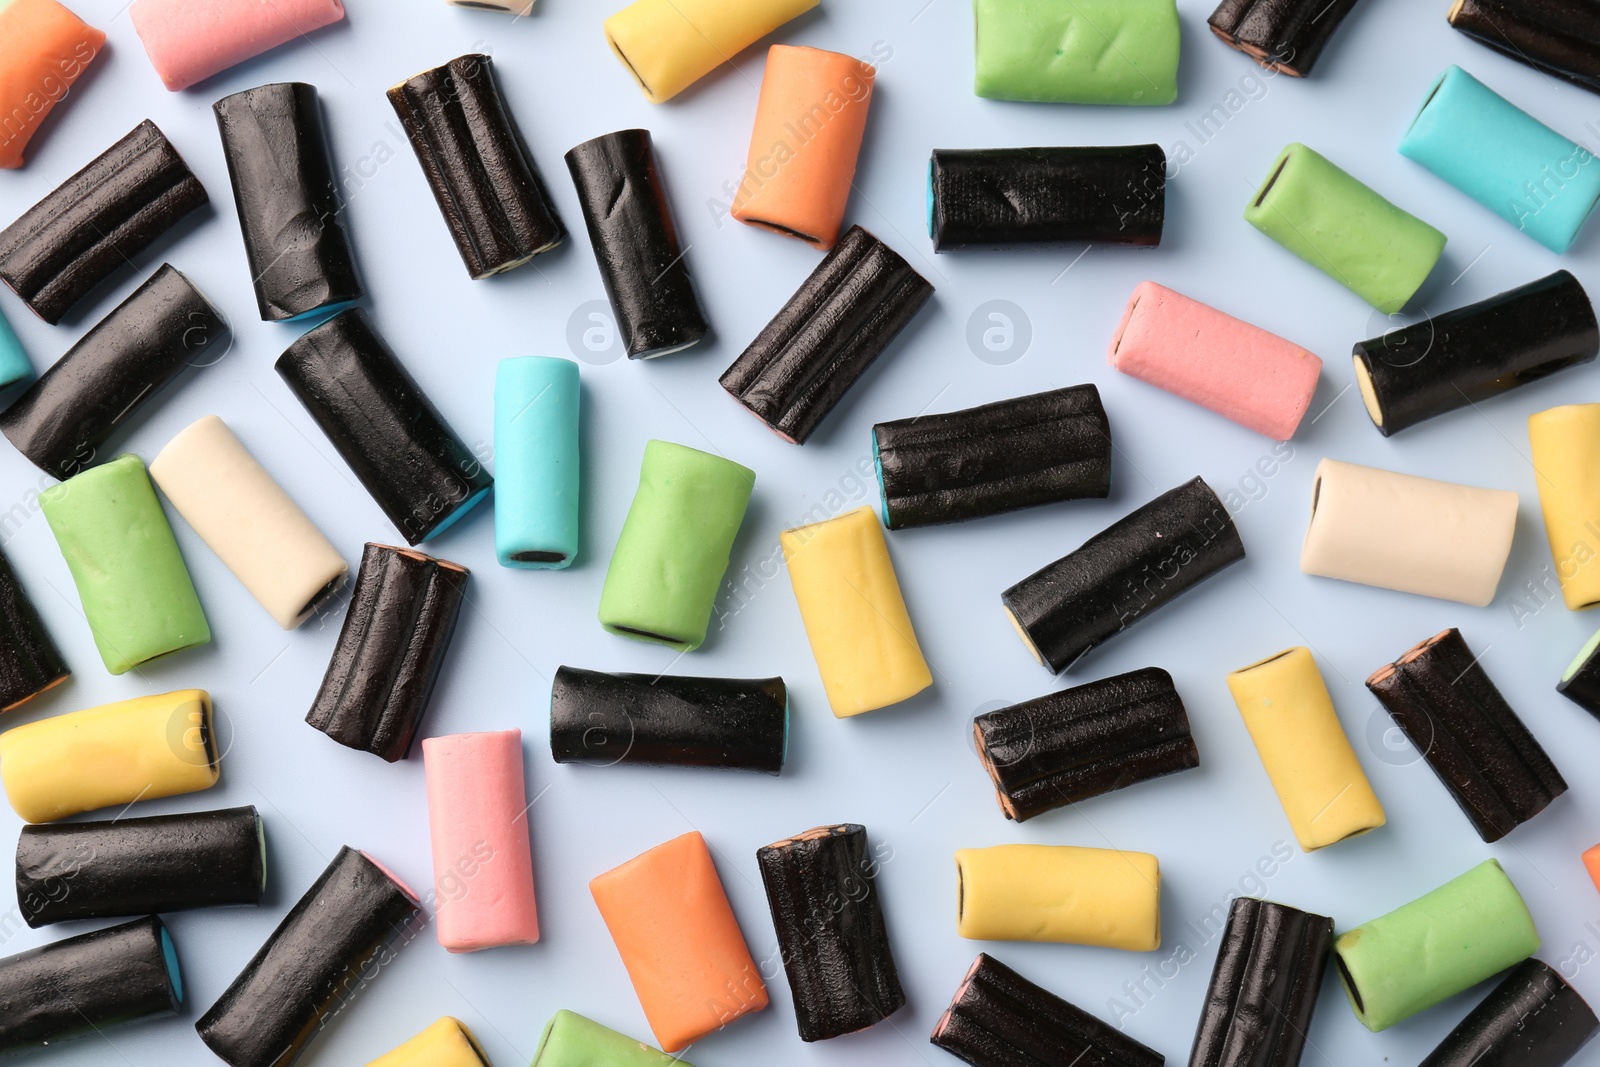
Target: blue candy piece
(14,365)
(536,462)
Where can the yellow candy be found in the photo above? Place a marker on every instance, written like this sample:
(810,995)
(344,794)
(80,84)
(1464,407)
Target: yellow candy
(447,1043)
(1081,896)
(668,45)
(1566,460)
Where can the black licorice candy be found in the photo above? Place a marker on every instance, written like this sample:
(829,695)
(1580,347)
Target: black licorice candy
(999,457)
(314,962)
(377,417)
(30,662)
(1282,35)
(402,615)
(294,239)
(1078,743)
(1476,352)
(1264,986)
(1441,697)
(997,197)
(604,719)
(86,984)
(636,244)
(96,221)
(477,164)
(1580,682)
(822,890)
(1533,1018)
(1559,37)
(837,323)
(1126,571)
(1000,1019)
(161,863)
(115,369)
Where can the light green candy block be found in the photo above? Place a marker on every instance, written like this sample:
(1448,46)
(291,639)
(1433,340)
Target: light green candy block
(570,1040)
(1077,51)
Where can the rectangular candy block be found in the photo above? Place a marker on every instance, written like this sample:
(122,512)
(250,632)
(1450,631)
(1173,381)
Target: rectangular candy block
(1077,51)
(668,45)
(1060,893)
(46,49)
(188,42)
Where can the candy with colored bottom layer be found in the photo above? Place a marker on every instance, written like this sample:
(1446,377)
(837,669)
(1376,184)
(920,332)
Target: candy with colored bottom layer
(446,1043)
(1564,443)
(1534,1018)
(30,662)
(49,49)
(668,45)
(570,1040)
(1077,51)
(1559,37)
(1580,682)
(188,43)
(1286,36)
(1060,893)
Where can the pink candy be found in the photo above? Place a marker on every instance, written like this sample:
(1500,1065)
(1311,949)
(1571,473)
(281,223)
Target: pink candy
(190,40)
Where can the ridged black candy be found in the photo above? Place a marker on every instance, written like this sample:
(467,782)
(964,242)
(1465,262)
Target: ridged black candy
(836,324)
(96,221)
(1581,682)
(1560,37)
(995,197)
(1533,1018)
(999,457)
(1440,696)
(294,240)
(636,244)
(1123,573)
(603,719)
(118,367)
(1283,35)
(30,663)
(161,863)
(822,890)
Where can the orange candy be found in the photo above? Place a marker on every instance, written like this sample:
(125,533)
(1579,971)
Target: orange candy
(1591,860)
(46,48)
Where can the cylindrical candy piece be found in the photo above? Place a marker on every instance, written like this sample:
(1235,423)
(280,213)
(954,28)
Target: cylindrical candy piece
(30,663)
(50,48)
(377,417)
(1580,682)
(536,450)
(1411,534)
(674,547)
(1438,945)
(1533,1018)
(605,719)
(570,1040)
(1559,37)
(402,615)
(1078,51)
(1079,896)
(1132,567)
(478,823)
(998,197)
(480,170)
(1440,696)
(1344,229)
(188,44)
(676,933)
(1243,373)
(1282,35)
(802,160)
(636,244)
(161,863)
(96,221)
(1565,447)
(313,962)
(832,329)
(140,749)
(447,1042)
(135,590)
(668,45)
(114,370)
(1285,706)
(294,239)
(1078,743)
(854,614)
(993,458)
(85,984)
(822,891)
(246,518)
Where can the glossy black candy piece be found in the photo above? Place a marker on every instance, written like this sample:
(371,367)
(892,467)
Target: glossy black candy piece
(1581,685)
(1283,35)
(1560,37)
(30,663)
(96,221)
(836,324)
(604,719)
(1533,1018)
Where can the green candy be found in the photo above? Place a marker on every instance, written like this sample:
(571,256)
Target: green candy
(1344,229)
(1435,947)
(136,592)
(1077,51)
(570,1040)
(674,548)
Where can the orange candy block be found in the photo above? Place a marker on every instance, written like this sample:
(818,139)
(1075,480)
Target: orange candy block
(43,49)
(673,926)
(1591,860)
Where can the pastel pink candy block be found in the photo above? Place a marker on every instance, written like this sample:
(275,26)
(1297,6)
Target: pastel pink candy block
(1192,350)
(190,40)
(478,820)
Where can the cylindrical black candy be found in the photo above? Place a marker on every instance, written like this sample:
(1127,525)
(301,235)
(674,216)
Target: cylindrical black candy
(1560,37)
(1441,697)
(376,415)
(1264,986)
(837,323)
(1283,35)
(1532,1019)
(30,663)
(294,240)
(1580,683)
(1475,352)
(999,457)
(822,890)
(602,719)
(481,172)
(115,369)
(85,984)
(994,197)
(162,863)
(96,221)
(636,244)
(1123,573)
(402,615)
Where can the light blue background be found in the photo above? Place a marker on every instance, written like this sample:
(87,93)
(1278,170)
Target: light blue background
(908,773)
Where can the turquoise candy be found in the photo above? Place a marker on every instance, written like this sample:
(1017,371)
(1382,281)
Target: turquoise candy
(536,462)
(14,365)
